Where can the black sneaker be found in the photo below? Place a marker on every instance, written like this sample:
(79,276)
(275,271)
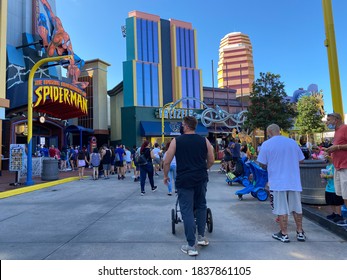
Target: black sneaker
(300,236)
(337,218)
(331,216)
(154,188)
(281,237)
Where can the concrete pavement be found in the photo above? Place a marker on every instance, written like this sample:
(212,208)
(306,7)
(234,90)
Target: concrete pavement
(110,220)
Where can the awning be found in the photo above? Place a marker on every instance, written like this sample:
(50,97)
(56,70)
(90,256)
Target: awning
(78,130)
(59,99)
(170,129)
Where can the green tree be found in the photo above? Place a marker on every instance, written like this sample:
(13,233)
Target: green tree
(269,104)
(310,114)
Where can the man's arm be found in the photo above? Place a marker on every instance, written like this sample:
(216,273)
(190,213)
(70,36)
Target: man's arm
(170,153)
(210,154)
(261,160)
(264,166)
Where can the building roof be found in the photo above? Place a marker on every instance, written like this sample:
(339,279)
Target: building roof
(116,90)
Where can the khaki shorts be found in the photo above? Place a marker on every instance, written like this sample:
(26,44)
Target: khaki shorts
(286,202)
(340,182)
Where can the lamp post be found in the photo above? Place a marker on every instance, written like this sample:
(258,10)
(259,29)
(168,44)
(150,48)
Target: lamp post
(29,180)
(162,120)
(330,43)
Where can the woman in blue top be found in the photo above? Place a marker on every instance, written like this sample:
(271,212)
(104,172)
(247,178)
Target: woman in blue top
(331,198)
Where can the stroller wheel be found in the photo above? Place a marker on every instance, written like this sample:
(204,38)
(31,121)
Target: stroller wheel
(240,196)
(254,194)
(230,183)
(209,220)
(173,221)
(262,195)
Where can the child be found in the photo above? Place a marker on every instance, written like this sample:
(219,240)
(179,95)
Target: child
(331,198)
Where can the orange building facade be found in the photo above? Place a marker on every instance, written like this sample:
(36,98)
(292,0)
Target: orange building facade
(235,65)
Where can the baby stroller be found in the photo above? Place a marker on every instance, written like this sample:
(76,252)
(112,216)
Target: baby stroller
(241,171)
(257,186)
(176,218)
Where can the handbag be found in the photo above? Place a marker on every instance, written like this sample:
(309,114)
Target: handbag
(140,159)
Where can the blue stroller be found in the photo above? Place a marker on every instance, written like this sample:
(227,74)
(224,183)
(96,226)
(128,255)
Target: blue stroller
(257,186)
(241,171)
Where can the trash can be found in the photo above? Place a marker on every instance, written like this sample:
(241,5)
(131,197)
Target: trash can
(313,189)
(50,170)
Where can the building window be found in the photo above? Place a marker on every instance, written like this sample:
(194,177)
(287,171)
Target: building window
(87,121)
(147,40)
(147,84)
(185,47)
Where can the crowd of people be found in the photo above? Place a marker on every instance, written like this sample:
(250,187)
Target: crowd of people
(281,157)
(105,160)
(185,161)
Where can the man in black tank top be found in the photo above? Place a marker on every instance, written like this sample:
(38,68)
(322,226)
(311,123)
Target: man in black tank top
(106,160)
(194,156)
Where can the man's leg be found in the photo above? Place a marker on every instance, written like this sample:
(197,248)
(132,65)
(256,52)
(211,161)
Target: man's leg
(186,201)
(283,220)
(295,207)
(200,207)
(298,221)
(280,202)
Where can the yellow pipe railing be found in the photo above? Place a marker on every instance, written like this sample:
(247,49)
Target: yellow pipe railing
(33,70)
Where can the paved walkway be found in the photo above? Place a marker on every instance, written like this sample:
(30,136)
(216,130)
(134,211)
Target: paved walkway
(109,219)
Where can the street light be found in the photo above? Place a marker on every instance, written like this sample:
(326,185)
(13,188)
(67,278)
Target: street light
(330,43)
(30,181)
(162,120)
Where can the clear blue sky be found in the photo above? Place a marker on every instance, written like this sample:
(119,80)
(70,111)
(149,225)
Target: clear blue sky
(287,35)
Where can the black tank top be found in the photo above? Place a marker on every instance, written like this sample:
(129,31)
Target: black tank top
(191,156)
(107,157)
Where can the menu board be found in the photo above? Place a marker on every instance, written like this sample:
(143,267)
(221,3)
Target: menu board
(17,154)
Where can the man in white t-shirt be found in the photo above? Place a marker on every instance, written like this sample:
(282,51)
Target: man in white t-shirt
(282,156)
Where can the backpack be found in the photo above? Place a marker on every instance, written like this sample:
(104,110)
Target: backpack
(140,159)
(95,159)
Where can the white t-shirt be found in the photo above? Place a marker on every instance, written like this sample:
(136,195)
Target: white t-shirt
(282,156)
(127,156)
(156,152)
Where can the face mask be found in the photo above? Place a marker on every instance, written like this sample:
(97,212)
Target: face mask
(331,126)
(181,129)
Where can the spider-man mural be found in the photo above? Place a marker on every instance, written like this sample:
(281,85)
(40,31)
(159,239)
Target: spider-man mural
(58,42)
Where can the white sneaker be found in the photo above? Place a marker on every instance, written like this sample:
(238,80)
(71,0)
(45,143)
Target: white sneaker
(202,240)
(190,250)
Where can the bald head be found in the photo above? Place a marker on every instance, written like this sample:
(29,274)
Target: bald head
(273,129)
